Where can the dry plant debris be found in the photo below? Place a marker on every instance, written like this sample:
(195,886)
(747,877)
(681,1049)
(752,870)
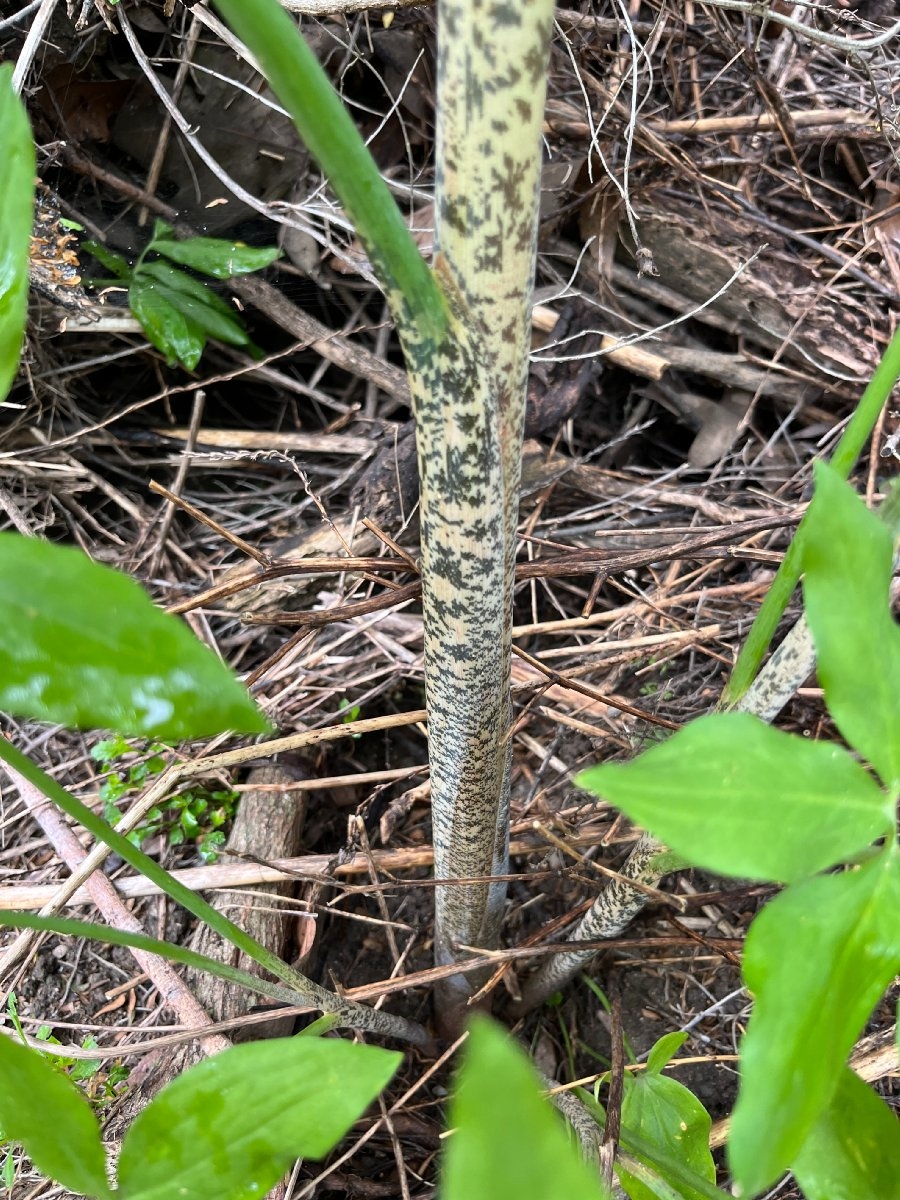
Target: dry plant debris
(719,272)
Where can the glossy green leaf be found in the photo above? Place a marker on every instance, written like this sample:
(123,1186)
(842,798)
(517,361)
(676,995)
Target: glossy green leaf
(230,1127)
(179,281)
(204,316)
(817,959)
(166,327)
(847,557)
(716,790)
(666,1115)
(107,258)
(83,645)
(16,217)
(853,1150)
(217,257)
(46,1113)
(665,1175)
(507,1142)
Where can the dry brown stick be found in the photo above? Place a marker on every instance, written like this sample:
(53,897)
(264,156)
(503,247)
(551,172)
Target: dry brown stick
(180,476)
(307,737)
(175,994)
(32,42)
(320,867)
(592,693)
(613,1128)
(165,130)
(284,440)
(575,562)
(318,618)
(200,516)
(332,346)
(587,561)
(846,118)
(309,566)
(637,608)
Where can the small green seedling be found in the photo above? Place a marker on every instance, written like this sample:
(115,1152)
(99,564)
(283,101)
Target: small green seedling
(732,795)
(195,814)
(177,311)
(664,1131)
(349,714)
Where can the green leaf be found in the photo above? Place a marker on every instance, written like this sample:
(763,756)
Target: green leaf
(186,285)
(108,749)
(43,1110)
(817,960)
(217,257)
(204,316)
(847,557)
(715,791)
(853,1150)
(230,1127)
(664,1050)
(82,645)
(168,329)
(507,1142)
(16,217)
(666,1115)
(119,266)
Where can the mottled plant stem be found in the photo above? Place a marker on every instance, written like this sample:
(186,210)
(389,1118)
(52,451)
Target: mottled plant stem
(469,395)
(464,328)
(613,910)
